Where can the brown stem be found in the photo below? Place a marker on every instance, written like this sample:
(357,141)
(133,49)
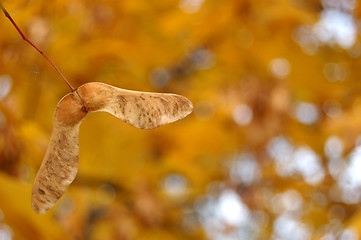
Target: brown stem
(41,52)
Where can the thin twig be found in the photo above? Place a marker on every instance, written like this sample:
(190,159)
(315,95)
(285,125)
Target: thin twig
(41,52)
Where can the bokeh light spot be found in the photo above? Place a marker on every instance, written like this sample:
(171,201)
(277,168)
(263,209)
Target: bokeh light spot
(333,147)
(332,108)
(350,180)
(242,114)
(349,234)
(190,6)
(175,185)
(336,26)
(289,201)
(245,169)
(288,227)
(231,209)
(5,85)
(203,59)
(335,72)
(280,67)
(306,113)
(309,165)
(5,232)
(159,78)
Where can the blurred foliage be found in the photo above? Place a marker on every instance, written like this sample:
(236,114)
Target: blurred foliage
(272,150)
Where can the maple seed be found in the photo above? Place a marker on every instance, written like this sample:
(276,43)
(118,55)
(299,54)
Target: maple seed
(60,164)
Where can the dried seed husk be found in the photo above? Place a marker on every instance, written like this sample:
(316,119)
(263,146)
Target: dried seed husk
(60,163)
(145,110)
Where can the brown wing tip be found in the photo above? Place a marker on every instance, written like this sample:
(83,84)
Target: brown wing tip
(37,205)
(38,210)
(186,106)
(190,107)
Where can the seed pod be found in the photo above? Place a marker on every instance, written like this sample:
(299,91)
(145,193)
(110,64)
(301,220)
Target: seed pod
(141,109)
(60,164)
